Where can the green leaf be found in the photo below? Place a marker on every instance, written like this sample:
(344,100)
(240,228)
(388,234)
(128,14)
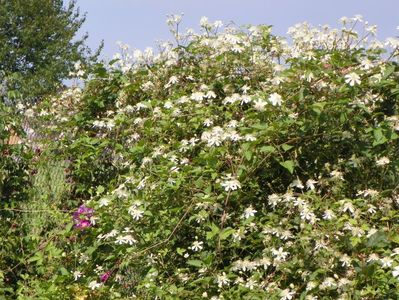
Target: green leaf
(388,71)
(289,165)
(260,126)
(377,239)
(286,147)
(64,271)
(180,251)
(395,238)
(195,263)
(226,233)
(248,155)
(379,137)
(68,227)
(214,231)
(267,149)
(100,190)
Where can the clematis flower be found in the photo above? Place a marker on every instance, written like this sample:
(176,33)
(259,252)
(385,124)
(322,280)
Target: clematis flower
(104,277)
(275,99)
(82,217)
(352,79)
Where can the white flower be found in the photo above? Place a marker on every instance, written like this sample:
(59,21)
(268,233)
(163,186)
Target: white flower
(20,106)
(207,122)
(249,138)
(373,257)
(307,214)
(366,64)
(211,94)
(167,105)
(222,279)
(367,192)
(184,161)
(230,183)
(328,283)
(273,200)
(348,206)
(197,246)
(99,269)
(94,285)
(29,113)
(357,231)
(392,42)
(337,174)
(77,275)
(287,294)
(280,254)
(83,258)
(259,105)
(382,161)
(250,284)
(204,22)
(173,19)
(249,212)
(197,96)
(232,124)
(172,80)
(265,262)
(238,235)
(352,79)
(233,135)
(245,89)
(395,252)
(358,18)
(127,239)
(320,245)
(136,213)
(297,183)
(343,282)
(103,202)
(245,99)
(110,124)
(275,99)
(395,272)
(386,262)
(371,209)
(300,202)
(214,137)
(127,230)
(310,184)
(217,24)
(346,260)
(328,215)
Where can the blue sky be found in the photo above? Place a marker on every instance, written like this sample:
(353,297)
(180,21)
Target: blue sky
(141,23)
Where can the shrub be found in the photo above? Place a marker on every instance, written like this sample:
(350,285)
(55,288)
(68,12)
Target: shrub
(234,165)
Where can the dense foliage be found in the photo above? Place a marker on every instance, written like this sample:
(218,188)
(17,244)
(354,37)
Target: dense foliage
(38,47)
(232,165)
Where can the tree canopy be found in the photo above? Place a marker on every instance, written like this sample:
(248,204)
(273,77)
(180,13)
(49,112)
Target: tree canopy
(38,46)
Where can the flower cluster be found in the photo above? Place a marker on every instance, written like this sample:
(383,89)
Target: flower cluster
(83,217)
(237,164)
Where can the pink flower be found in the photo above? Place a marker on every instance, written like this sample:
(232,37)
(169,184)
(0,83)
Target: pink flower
(104,277)
(82,216)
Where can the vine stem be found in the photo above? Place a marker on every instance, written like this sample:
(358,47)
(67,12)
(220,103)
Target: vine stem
(137,254)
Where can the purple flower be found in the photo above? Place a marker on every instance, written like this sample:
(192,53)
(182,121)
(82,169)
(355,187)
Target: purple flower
(82,216)
(82,224)
(104,277)
(83,210)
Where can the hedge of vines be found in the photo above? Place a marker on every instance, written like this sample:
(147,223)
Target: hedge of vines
(229,164)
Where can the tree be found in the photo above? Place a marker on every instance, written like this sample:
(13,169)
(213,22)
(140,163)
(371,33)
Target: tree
(38,46)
